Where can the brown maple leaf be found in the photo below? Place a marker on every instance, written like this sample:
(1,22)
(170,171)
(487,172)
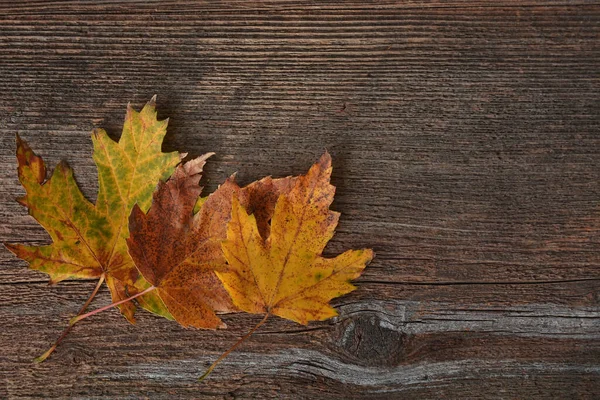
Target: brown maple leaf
(177,251)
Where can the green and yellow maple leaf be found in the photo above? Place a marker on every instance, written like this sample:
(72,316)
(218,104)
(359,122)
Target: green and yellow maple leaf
(89,241)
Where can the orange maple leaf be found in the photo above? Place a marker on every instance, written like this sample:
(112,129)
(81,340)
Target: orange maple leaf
(282,272)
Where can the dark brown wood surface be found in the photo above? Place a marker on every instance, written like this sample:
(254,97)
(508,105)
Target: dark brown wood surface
(466,144)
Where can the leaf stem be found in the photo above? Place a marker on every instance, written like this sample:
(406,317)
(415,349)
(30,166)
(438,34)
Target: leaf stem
(66,331)
(78,318)
(240,341)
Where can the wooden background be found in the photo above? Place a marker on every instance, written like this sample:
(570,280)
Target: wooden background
(466,145)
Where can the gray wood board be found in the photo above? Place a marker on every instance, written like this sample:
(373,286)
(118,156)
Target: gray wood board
(466,150)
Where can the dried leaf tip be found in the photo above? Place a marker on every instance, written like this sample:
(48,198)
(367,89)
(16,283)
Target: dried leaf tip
(203,157)
(29,161)
(325,160)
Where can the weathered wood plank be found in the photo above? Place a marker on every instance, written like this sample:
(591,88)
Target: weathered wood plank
(466,152)
(394,346)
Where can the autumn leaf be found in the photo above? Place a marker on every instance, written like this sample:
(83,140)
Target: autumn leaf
(88,241)
(285,274)
(177,251)
(282,272)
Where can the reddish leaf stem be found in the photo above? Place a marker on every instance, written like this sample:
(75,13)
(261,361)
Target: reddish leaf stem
(66,331)
(242,339)
(78,318)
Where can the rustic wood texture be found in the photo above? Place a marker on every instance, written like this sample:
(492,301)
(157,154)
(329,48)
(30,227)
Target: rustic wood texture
(465,138)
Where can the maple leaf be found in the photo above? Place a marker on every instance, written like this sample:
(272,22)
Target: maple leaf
(285,274)
(282,272)
(88,241)
(177,250)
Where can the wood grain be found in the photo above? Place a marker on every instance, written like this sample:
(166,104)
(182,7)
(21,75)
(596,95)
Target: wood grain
(466,150)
